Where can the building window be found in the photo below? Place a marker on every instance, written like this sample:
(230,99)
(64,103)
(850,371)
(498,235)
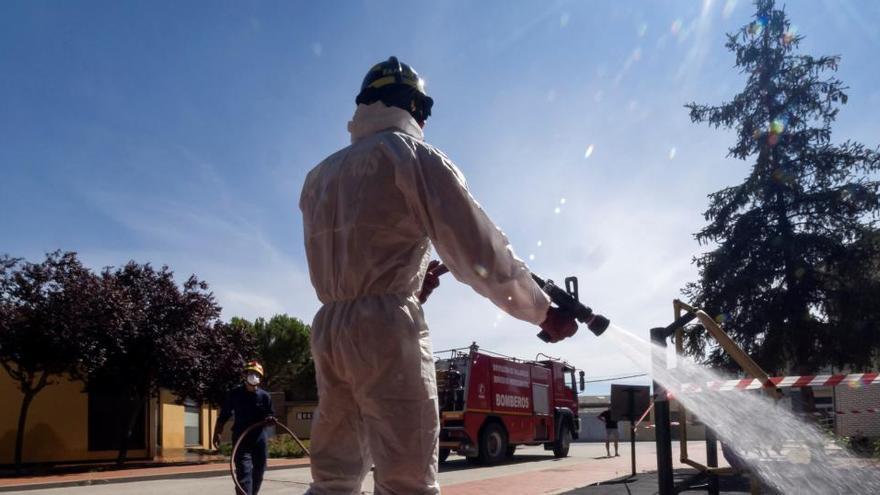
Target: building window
(109,418)
(192,422)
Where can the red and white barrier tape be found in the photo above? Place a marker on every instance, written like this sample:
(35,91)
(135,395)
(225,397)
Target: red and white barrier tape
(870,410)
(651,425)
(852,380)
(855,379)
(644,414)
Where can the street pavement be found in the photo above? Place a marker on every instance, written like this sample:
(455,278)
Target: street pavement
(532,471)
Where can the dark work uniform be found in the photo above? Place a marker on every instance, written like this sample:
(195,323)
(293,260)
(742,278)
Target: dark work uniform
(248,408)
(610,424)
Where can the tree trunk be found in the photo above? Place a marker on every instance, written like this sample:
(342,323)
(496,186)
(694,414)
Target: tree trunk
(133,407)
(19,436)
(29,392)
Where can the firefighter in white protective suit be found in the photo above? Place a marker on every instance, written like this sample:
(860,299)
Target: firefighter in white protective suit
(371,211)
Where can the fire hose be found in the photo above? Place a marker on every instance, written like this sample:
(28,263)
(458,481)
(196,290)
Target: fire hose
(260,424)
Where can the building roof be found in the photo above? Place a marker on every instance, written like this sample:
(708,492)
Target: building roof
(594,401)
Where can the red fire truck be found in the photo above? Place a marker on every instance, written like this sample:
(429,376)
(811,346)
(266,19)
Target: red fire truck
(491,403)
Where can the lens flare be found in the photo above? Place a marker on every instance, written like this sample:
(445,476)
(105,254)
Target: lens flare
(757,27)
(540,243)
(676,27)
(672,153)
(854,384)
(729,7)
(557,210)
(789,35)
(563,19)
(589,151)
(531,257)
(562,201)
(636,55)
(777,126)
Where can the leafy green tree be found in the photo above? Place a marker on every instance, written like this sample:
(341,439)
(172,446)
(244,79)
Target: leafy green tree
(282,347)
(856,306)
(304,385)
(48,311)
(789,270)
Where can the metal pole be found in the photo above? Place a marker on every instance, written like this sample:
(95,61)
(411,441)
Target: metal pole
(712,460)
(662,426)
(632,428)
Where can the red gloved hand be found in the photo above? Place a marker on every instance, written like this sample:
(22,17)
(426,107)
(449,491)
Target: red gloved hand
(431,281)
(557,326)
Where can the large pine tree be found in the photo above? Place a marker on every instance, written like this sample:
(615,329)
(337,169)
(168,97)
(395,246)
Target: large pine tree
(793,273)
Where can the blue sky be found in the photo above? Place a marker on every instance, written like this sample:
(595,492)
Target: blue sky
(179,133)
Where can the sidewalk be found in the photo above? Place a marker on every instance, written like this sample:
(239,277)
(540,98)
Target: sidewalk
(592,470)
(533,472)
(646,484)
(132,474)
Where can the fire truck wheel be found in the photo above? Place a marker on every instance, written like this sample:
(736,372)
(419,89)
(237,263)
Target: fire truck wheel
(444,454)
(493,444)
(560,446)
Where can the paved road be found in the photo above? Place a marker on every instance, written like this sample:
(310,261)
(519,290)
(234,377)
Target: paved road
(532,468)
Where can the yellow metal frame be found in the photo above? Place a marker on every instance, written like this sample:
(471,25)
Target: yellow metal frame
(746,363)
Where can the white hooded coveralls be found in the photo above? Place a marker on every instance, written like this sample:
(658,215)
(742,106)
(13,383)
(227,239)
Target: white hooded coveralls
(370,212)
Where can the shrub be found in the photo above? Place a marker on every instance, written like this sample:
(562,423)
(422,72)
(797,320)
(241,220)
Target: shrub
(284,446)
(225,449)
(280,446)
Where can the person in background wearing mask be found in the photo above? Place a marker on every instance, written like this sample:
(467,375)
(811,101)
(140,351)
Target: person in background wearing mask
(371,212)
(249,404)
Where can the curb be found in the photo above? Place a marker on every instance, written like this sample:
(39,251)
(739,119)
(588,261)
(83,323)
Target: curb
(133,478)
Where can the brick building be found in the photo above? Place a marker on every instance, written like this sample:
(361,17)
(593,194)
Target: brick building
(848,399)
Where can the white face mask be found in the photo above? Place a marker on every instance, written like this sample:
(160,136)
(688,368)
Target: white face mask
(253,379)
